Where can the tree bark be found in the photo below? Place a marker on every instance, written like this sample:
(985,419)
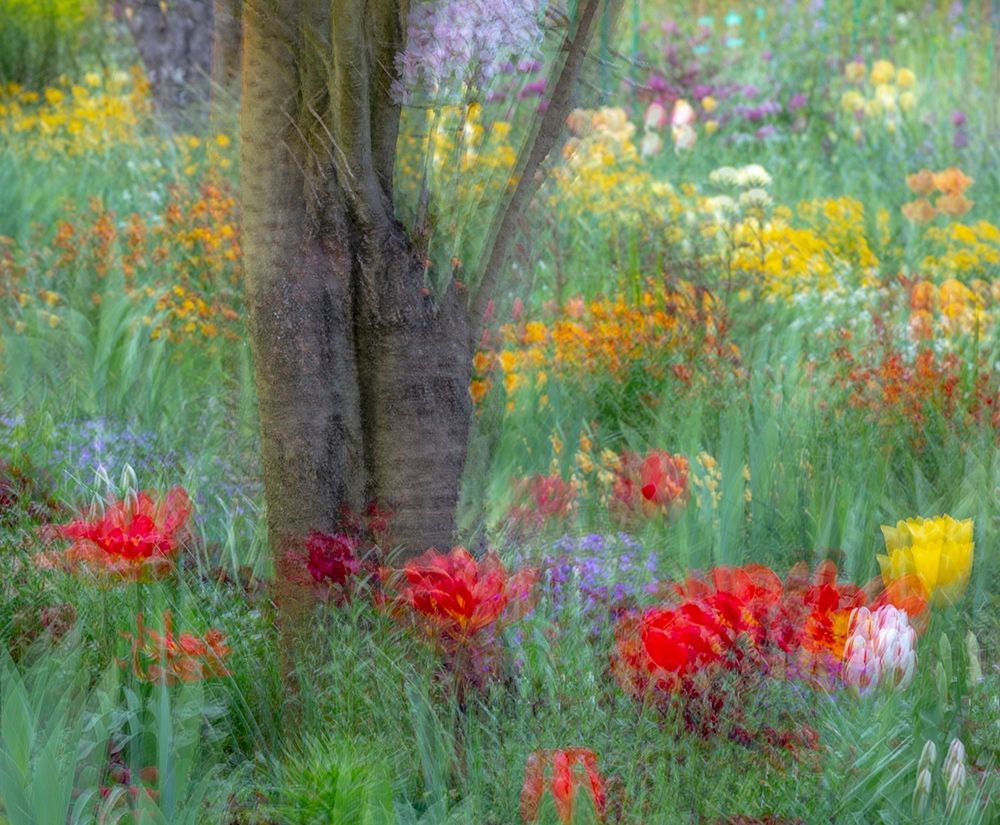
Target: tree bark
(174,41)
(226,45)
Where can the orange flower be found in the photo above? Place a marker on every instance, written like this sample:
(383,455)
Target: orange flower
(135,539)
(183,658)
(459,597)
(922,296)
(954,205)
(572,771)
(922,182)
(951,181)
(919,211)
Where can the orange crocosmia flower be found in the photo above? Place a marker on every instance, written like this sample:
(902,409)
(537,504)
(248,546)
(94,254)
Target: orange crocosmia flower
(922,182)
(176,658)
(951,181)
(922,296)
(134,539)
(954,205)
(573,772)
(460,596)
(919,211)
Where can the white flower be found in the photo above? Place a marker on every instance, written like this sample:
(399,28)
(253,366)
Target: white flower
(755,198)
(753,175)
(722,206)
(723,176)
(652,144)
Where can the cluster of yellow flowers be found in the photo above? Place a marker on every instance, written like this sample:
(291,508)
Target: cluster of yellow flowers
(75,118)
(604,179)
(820,246)
(881,95)
(964,250)
(460,155)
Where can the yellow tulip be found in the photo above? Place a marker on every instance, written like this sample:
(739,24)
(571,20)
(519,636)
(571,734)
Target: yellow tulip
(882,72)
(937,551)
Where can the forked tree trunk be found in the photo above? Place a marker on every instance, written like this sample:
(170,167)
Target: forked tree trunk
(362,374)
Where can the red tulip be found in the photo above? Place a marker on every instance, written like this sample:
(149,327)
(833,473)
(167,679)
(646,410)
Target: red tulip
(572,771)
(717,621)
(459,596)
(134,539)
(651,484)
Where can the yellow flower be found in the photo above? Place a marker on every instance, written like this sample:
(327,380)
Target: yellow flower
(851,101)
(882,72)
(873,108)
(711,126)
(907,101)
(938,551)
(905,79)
(53,96)
(92,79)
(855,71)
(222,140)
(708,104)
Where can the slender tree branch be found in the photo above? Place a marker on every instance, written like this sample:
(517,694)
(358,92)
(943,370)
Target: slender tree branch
(350,103)
(387,21)
(523,182)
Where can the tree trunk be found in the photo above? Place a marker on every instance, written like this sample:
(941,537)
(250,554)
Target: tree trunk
(414,363)
(174,41)
(226,44)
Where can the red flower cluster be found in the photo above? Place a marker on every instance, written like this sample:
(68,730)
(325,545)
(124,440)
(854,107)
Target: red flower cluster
(891,389)
(332,558)
(573,771)
(184,658)
(733,619)
(134,539)
(458,597)
(541,499)
(654,483)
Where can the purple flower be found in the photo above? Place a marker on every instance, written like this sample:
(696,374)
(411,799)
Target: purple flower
(958,119)
(457,43)
(796,102)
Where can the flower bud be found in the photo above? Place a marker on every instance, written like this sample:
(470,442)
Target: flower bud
(941,680)
(928,756)
(944,652)
(922,792)
(956,756)
(956,782)
(972,651)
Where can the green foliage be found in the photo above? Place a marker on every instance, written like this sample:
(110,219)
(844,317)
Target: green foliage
(39,39)
(326,780)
